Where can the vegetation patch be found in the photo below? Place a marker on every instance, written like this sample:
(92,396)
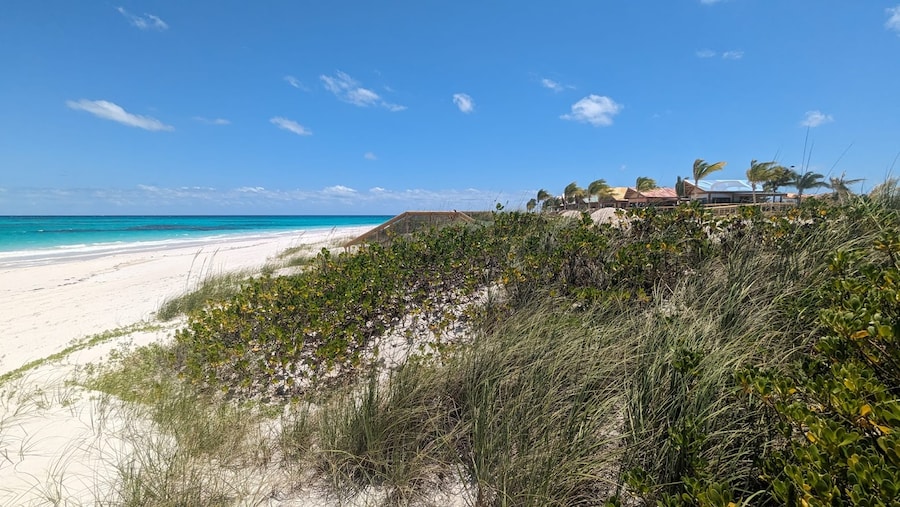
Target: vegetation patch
(77,345)
(678,359)
(213,288)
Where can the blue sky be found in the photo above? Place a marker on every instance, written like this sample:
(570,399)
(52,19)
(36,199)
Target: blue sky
(296,107)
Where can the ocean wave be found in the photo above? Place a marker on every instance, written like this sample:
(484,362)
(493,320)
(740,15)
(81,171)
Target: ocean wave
(82,251)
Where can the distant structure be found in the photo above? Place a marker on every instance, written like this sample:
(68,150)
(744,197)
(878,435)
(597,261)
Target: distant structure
(409,222)
(727,192)
(625,197)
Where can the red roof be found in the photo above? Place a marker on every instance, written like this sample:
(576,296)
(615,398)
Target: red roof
(661,193)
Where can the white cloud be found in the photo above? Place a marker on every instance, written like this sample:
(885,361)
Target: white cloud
(291,126)
(143,199)
(734,54)
(464,102)
(291,80)
(212,121)
(339,191)
(145,22)
(110,111)
(347,89)
(597,110)
(816,118)
(370,156)
(552,85)
(893,22)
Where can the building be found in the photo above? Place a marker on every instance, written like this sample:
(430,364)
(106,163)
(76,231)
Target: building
(727,192)
(660,196)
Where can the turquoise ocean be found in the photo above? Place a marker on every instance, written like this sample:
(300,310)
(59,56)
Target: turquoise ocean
(32,239)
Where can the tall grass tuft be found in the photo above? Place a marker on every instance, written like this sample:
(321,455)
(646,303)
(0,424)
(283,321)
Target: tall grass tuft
(528,416)
(183,448)
(214,287)
(390,436)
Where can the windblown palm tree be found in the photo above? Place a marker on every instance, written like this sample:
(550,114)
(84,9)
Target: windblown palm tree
(644,183)
(552,203)
(599,188)
(806,181)
(542,197)
(778,176)
(758,173)
(840,187)
(702,170)
(573,192)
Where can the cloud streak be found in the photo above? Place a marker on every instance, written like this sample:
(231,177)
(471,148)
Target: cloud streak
(111,111)
(212,121)
(290,126)
(598,110)
(551,85)
(816,118)
(252,198)
(145,22)
(348,90)
(291,80)
(893,22)
(556,86)
(734,54)
(464,102)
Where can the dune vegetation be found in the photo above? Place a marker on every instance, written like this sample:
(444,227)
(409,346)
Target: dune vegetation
(668,358)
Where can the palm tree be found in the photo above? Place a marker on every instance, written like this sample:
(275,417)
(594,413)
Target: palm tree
(532,203)
(758,173)
(840,187)
(599,188)
(807,181)
(573,192)
(579,196)
(702,170)
(551,203)
(644,183)
(542,197)
(778,176)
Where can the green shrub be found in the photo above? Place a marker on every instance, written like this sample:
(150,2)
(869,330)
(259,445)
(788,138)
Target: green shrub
(840,415)
(278,335)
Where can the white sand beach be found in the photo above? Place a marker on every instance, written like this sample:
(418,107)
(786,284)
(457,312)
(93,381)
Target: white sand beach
(51,446)
(46,305)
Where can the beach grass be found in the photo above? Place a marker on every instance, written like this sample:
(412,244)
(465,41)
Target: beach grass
(213,287)
(77,345)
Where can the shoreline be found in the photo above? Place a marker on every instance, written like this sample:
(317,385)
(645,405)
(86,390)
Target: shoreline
(85,251)
(48,302)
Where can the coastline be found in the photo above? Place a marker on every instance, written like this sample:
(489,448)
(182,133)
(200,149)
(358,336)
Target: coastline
(50,298)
